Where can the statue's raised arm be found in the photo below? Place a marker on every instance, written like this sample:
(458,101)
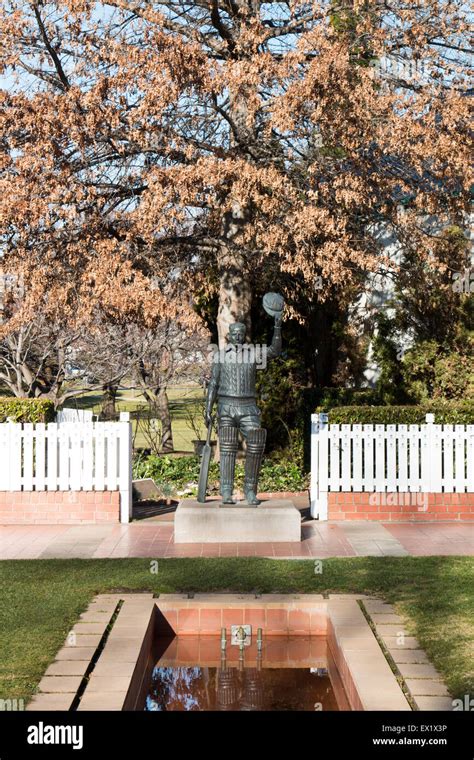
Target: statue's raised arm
(273,304)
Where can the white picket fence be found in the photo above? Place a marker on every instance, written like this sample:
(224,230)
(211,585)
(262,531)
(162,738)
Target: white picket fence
(426,458)
(70,456)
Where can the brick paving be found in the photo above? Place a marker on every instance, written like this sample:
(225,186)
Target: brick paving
(445,538)
(154,539)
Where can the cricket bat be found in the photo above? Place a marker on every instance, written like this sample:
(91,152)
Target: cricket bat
(205,462)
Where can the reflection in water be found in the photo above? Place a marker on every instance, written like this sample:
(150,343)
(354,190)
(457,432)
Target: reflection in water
(232,688)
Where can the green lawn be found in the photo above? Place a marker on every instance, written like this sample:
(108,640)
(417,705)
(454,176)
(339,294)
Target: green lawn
(40,600)
(181,398)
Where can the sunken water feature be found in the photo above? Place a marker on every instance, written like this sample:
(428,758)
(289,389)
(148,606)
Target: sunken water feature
(241,671)
(200,652)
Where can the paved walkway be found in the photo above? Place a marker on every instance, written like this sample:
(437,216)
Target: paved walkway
(154,539)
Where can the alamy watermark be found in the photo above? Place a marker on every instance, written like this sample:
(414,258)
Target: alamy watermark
(12,705)
(406,69)
(43,733)
(463,282)
(466,704)
(395,499)
(318,566)
(246,353)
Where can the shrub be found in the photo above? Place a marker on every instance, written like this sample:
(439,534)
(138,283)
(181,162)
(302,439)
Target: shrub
(181,471)
(429,371)
(461,413)
(183,474)
(282,476)
(280,398)
(26,409)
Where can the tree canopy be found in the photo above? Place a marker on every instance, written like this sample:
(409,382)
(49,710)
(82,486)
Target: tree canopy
(152,149)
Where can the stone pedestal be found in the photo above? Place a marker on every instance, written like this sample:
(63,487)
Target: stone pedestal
(271,521)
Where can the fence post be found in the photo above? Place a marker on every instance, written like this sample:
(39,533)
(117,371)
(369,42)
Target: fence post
(5,453)
(314,474)
(431,463)
(15,455)
(125,465)
(470,458)
(319,466)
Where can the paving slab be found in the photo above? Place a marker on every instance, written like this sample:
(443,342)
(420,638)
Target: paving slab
(75,653)
(105,701)
(418,670)
(92,616)
(87,640)
(108,683)
(59,684)
(396,644)
(435,538)
(67,668)
(425,687)
(384,618)
(434,703)
(377,606)
(83,627)
(50,702)
(107,668)
(370,538)
(403,655)
(389,629)
(127,652)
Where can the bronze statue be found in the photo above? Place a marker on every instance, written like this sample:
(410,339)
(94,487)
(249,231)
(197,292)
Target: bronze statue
(232,385)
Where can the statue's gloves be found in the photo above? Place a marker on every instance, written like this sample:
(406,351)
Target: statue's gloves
(208,416)
(211,397)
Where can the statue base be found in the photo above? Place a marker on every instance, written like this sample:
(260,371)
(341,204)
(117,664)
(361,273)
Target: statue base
(272,521)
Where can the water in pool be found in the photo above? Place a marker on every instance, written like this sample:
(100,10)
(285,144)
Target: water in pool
(288,674)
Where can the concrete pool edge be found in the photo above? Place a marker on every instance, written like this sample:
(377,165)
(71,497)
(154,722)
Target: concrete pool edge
(367,679)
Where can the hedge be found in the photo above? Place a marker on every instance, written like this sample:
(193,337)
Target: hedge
(26,409)
(328,398)
(460,413)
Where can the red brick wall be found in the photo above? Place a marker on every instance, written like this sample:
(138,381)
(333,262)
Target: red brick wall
(54,507)
(207,618)
(400,506)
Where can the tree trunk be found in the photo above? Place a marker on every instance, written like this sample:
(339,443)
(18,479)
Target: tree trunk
(108,409)
(235,291)
(161,405)
(235,294)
